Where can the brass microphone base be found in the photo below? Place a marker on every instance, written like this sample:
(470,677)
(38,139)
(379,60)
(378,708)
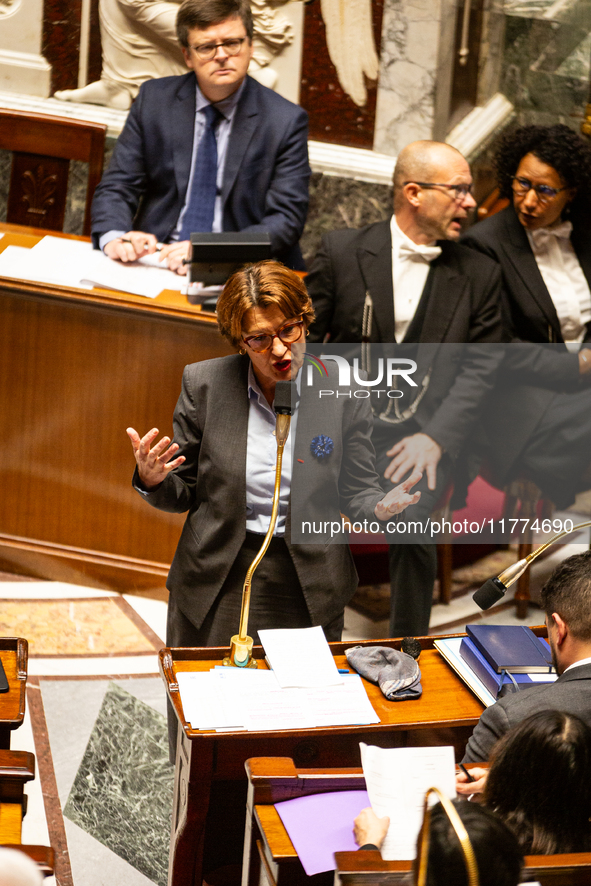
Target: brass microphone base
(240,653)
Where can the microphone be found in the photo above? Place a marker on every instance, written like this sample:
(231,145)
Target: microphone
(241,644)
(495,588)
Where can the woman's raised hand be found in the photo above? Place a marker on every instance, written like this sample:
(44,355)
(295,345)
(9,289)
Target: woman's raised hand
(153,464)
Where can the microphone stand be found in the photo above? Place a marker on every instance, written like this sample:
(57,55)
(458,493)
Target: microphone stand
(495,588)
(241,644)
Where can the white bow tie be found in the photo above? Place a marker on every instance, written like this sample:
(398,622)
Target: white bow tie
(562,231)
(416,251)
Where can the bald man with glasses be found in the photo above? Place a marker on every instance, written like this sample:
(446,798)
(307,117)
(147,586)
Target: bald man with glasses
(408,281)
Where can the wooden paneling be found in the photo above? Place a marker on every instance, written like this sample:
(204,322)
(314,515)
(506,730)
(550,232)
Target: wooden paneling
(76,369)
(14,656)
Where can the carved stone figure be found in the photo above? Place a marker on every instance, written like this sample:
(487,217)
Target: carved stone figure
(351,45)
(139,43)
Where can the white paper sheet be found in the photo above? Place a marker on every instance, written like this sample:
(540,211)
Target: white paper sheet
(204,706)
(75,263)
(18,262)
(342,705)
(397,780)
(300,657)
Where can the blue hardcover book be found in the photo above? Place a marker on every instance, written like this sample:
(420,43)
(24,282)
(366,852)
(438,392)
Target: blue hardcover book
(493,681)
(512,648)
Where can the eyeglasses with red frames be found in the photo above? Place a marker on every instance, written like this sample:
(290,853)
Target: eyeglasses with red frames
(288,334)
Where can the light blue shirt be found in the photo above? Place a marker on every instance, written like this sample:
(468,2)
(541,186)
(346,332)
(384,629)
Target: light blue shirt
(261,457)
(227,108)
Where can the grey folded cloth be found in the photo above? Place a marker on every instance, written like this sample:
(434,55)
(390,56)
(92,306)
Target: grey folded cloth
(396,673)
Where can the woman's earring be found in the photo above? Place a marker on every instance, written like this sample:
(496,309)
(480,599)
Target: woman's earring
(307,332)
(242,351)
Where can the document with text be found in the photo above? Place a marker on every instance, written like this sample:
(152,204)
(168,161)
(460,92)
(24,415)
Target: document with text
(397,780)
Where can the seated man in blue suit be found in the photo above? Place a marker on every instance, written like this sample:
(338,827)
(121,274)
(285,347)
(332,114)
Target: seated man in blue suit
(211,150)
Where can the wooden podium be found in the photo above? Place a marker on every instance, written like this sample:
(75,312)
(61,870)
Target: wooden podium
(210,781)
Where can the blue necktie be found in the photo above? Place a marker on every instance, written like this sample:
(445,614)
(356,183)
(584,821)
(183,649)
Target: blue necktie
(199,214)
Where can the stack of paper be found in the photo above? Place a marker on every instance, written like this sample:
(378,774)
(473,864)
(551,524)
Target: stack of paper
(304,689)
(237,698)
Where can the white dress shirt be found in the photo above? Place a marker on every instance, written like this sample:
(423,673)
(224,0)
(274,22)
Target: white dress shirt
(564,278)
(261,458)
(410,269)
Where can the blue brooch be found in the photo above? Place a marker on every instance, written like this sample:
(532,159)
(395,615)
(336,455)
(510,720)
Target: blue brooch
(321,446)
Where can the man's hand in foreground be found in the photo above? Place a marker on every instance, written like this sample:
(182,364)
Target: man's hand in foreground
(418,452)
(399,498)
(131,246)
(172,256)
(466,788)
(369,828)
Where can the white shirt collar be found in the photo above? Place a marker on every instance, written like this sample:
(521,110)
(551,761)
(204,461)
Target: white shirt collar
(578,664)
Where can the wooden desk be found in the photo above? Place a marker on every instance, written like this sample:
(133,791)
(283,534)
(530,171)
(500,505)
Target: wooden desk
(76,368)
(14,654)
(270,858)
(368,869)
(210,779)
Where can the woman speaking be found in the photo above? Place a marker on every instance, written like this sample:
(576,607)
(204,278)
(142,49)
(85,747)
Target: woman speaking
(221,469)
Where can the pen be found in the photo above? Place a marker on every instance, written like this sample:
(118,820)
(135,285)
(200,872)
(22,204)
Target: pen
(125,240)
(466,773)
(344,671)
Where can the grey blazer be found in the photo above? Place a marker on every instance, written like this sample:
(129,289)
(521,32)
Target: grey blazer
(571,693)
(210,426)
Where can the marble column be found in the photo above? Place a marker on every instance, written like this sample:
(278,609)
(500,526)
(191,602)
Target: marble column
(22,67)
(416,70)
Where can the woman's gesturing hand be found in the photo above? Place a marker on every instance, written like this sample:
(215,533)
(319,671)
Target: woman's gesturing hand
(153,464)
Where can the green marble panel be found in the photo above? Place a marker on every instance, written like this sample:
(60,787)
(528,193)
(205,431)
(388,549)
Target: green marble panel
(122,793)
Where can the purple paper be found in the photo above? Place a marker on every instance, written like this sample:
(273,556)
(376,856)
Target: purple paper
(322,824)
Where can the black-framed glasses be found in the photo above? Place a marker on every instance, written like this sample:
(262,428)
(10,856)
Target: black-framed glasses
(460,191)
(544,193)
(289,333)
(206,51)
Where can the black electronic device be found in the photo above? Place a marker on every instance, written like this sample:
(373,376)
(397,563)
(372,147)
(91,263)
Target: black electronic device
(3,680)
(215,257)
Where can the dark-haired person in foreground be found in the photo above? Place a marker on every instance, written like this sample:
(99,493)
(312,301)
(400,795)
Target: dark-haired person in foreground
(540,783)
(566,601)
(211,150)
(497,853)
(539,422)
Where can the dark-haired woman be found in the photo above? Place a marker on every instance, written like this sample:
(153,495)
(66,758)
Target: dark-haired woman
(496,850)
(542,242)
(539,783)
